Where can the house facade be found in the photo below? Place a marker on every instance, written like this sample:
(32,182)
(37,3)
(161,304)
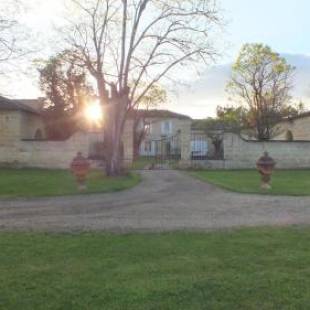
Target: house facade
(162,132)
(164,135)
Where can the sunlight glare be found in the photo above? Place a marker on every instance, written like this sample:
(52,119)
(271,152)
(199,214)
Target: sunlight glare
(93,112)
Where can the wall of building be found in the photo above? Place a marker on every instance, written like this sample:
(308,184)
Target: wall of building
(10,127)
(17,125)
(299,127)
(30,123)
(154,142)
(156,127)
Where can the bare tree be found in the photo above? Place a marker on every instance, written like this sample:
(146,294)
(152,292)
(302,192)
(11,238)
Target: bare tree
(7,42)
(128,43)
(9,30)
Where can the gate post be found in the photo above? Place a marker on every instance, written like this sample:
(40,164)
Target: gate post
(186,152)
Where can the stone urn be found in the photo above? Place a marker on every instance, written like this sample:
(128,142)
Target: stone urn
(265,166)
(80,169)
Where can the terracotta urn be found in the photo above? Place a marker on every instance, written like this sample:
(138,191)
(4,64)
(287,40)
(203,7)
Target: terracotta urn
(265,166)
(80,169)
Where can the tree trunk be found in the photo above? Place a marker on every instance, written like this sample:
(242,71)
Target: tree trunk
(113,132)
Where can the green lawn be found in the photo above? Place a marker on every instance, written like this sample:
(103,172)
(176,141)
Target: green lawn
(39,182)
(284,182)
(267,268)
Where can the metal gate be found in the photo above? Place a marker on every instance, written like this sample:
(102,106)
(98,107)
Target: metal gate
(159,154)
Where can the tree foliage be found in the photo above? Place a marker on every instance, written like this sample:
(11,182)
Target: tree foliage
(67,91)
(228,118)
(262,79)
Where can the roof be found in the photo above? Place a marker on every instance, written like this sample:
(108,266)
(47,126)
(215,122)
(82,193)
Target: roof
(17,105)
(155,113)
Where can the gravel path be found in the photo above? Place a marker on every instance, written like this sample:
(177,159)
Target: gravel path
(164,201)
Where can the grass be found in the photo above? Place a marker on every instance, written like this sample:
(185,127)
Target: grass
(284,182)
(266,268)
(39,182)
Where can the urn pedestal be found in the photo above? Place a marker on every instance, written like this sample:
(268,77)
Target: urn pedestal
(265,166)
(80,169)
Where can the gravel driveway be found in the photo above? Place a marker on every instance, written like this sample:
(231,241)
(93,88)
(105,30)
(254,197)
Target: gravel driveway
(164,201)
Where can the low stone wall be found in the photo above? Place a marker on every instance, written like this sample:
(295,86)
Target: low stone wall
(243,154)
(57,154)
(45,154)
(238,152)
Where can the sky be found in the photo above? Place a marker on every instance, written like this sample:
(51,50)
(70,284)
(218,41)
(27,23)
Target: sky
(282,24)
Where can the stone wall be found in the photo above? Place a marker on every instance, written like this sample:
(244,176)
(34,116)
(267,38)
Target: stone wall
(45,154)
(58,154)
(243,154)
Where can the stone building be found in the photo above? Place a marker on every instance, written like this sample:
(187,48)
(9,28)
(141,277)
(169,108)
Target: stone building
(162,131)
(19,121)
(294,129)
(167,132)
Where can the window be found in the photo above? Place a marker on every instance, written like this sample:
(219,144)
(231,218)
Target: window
(166,127)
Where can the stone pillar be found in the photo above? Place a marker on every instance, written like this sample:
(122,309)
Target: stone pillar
(186,152)
(128,143)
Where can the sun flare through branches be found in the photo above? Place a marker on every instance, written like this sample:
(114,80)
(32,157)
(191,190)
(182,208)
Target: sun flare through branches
(93,112)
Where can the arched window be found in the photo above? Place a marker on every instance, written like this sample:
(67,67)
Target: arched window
(38,135)
(289,136)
